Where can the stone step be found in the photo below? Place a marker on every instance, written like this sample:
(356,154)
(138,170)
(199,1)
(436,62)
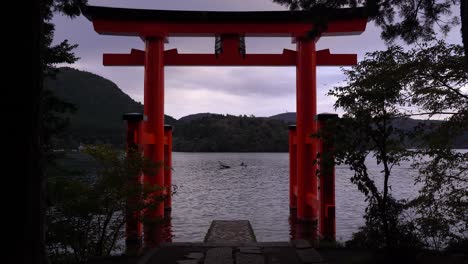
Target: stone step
(233,241)
(219,255)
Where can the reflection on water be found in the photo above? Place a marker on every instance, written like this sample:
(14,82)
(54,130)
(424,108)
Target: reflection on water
(255,188)
(301,230)
(158,232)
(164,233)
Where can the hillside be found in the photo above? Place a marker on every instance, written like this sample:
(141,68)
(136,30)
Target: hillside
(219,133)
(405,124)
(193,117)
(100,105)
(289,118)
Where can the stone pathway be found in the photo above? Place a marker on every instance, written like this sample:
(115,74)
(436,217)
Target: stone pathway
(230,231)
(294,252)
(233,242)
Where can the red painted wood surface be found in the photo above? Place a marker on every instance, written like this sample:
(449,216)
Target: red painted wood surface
(306,104)
(150,28)
(327,220)
(133,227)
(168,167)
(173,58)
(153,123)
(292,168)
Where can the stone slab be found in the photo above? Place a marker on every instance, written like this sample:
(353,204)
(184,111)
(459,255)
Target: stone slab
(224,244)
(273,244)
(309,255)
(250,250)
(173,254)
(188,261)
(280,255)
(230,231)
(194,255)
(219,255)
(274,253)
(301,244)
(242,258)
(182,244)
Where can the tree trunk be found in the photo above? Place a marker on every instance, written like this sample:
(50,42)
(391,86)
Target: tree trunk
(29,177)
(464,28)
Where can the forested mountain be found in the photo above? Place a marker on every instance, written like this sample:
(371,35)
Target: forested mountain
(194,117)
(404,123)
(219,133)
(289,118)
(100,105)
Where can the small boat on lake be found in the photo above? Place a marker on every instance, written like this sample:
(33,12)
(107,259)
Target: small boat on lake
(223,166)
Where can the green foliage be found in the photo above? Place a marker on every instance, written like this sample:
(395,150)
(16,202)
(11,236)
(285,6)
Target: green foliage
(411,20)
(326,244)
(51,112)
(372,99)
(442,204)
(54,111)
(386,87)
(87,214)
(402,235)
(55,119)
(440,87)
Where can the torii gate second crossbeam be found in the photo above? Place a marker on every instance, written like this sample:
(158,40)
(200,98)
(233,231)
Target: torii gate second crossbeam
(154,27)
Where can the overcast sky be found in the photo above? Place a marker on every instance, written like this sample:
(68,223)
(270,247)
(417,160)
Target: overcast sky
(261,91)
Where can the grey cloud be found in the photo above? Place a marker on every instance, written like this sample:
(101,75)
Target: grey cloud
(270,82)
(214,5)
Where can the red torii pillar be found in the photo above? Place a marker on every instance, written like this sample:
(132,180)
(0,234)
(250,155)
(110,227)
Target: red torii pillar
(327,220)
(135,142)
(133,227)
(292,169)
(307,207)
(168,167)
(153,125)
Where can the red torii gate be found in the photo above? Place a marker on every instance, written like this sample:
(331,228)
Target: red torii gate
(155,26)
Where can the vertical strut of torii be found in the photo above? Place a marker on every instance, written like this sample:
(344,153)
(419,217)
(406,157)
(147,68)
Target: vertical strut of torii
(155,27)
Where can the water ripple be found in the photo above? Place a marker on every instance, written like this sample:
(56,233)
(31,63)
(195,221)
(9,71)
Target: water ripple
(258,192)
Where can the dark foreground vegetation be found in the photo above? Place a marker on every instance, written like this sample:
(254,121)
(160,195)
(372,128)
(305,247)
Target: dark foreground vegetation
(87,202)
(426,81)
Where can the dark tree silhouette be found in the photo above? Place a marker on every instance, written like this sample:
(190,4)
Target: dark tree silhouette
(411,20)
(30,144)
(384,89)
(29,247)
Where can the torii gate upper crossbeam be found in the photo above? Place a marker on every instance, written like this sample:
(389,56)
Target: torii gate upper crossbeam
(173,58)
(167,23)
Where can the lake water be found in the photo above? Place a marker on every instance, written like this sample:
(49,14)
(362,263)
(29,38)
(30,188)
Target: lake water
(259,192)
